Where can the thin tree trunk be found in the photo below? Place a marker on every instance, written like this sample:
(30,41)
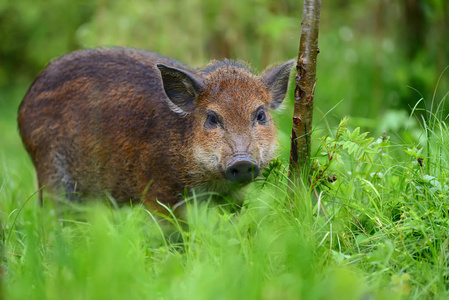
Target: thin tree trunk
(305,88)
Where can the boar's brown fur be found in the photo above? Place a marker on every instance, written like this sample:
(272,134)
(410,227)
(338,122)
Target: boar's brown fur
(141,127)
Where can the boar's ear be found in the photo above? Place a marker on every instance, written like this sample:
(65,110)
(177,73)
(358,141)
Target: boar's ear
(276,79)
(182,88)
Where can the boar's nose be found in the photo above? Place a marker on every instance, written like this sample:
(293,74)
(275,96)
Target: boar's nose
(242,170)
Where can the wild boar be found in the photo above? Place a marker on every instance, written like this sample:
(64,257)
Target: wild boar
(139,127)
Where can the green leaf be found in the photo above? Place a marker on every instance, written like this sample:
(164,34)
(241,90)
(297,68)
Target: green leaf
(355,133)
(341,128)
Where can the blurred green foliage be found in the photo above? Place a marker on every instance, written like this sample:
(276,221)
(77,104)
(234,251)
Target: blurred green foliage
(371,51)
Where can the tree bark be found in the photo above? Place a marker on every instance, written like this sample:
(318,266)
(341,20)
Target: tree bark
(305,89)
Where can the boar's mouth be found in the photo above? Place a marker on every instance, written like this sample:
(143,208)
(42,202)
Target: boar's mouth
(241,170)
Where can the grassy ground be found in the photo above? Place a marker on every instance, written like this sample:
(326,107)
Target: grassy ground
(374,225)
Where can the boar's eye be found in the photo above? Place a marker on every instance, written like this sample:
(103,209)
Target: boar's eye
(212,120)
(261,117)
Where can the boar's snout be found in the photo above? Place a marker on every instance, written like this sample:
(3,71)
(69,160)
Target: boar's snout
(242,170)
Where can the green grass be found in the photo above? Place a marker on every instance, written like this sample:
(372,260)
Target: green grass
(380,231)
